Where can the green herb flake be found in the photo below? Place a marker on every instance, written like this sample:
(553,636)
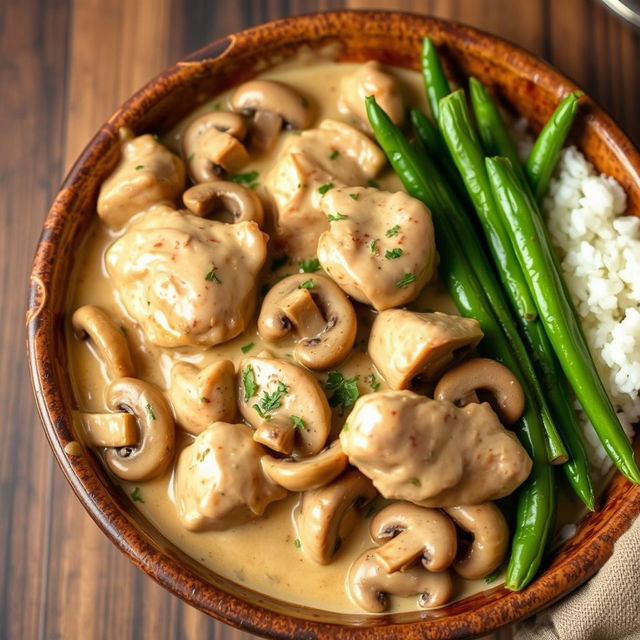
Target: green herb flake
(392,254)
(297,544)
(203,454)
(493,576)
(373,246)
(304,102)
(406,280)
(415,482)
(307,284)
(271,401)
(216,106)
(373,183)
(336,217)
(136,496)
(156,137)
(140,166)
(261,413)
(298,423)
(205,400)
(322,189)
(245,348)
(249,383)
(192,155)
(373,382)
(249,178)
(212,276)
(354,196)
(149,408)
(276,263)
(345,427)
(393,231)
(344,391)
(309,266)
(334,154)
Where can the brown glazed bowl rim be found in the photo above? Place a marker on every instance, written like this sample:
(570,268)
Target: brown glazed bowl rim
(580,557)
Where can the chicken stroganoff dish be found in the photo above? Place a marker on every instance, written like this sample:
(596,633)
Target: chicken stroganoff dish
(311,336)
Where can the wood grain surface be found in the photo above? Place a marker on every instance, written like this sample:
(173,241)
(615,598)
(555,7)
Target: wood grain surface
(66,65)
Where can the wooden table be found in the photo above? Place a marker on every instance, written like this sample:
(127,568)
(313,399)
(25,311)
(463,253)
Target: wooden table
(66,65)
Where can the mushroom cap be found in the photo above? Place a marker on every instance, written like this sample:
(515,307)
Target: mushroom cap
(368,584)
(380,246)
(303,400)
(153,454)
(219,482)
(317,310)
(404,344)
(308,473)
(328,514)
(276,97)
(471,457)
(147,174)
(185,279)
(201,397)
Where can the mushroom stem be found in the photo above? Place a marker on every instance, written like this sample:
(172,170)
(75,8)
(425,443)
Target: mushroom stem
(264,130)
(303,313)
(277,433)
(110,429)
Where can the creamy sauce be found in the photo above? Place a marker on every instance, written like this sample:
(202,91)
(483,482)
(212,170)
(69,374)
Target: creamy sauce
(263,554)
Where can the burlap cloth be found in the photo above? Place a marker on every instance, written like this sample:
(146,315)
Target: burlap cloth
(605,608)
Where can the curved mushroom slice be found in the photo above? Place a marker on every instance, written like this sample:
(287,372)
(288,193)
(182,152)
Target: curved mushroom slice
(490,539)
(148,173)
(408,532)
(369,584)
(200,397)
(371,79)
(185,279)
(154,450)
(405,344)
(308,473)
(327,515)
(211,144)
(285,404)
(380,246)
(317,310)
(219,482)
(209,197)
(431,452)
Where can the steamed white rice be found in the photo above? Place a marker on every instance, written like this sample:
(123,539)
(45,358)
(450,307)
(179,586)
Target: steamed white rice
(599,249)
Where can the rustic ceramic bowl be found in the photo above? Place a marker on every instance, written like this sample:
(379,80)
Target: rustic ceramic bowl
(528,86)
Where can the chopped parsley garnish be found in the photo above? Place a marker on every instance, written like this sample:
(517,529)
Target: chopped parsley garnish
(307,284)
(298,423)
(249,383)
(336,217)
(304,102)
(296,543)
(309,266)
(140,166)
(345,427)
(392,254)
(270,401)
(205,400)
(192,155)
(334,155)
(216,106)
(149,408)
(245,348)
(322,189)
(373,183)
(135,495)
(249,178)
(415,482)
(203,454)
(354,196)
(155,136)
(212,276)
(344,391)
(276,263)
(393,231)
(373,246)
(406,280)
(372,381)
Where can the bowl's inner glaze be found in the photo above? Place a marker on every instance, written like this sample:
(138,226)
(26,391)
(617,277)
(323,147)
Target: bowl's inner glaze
(527,86)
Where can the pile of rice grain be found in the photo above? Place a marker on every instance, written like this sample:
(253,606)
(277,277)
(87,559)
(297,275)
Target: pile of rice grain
(599,250)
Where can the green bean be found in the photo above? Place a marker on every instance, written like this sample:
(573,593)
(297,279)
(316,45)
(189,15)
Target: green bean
(529,239)
(463,145)
(435,82)
(496,141)
(544,154)
(422,180)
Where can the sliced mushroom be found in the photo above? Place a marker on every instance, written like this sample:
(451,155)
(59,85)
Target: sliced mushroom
(154,451)
(211,144)
(488,526)
(208,197)
(371,79)
(110,342)
(327,515)
(274,97)
(201,397)
(308,473)
(110,429)
(404,344)
(319,313)
(285,404)
(147,174)
(408,532)
(459,384)
(368,584)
